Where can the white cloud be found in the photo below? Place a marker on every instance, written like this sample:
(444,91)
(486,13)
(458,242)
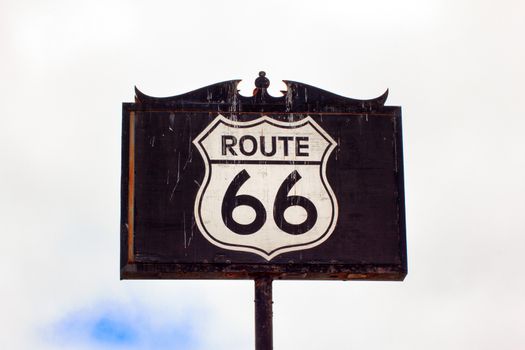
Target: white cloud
(456,68)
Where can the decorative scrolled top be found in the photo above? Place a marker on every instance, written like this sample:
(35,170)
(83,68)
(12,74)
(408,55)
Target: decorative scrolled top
(298,98)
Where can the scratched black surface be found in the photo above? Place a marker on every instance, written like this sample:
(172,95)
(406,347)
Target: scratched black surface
(365,172)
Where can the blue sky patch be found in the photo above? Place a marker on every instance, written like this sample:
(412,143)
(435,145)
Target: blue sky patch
(128,326)
(108,330)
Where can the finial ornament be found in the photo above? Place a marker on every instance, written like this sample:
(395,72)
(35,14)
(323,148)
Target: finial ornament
(262,82)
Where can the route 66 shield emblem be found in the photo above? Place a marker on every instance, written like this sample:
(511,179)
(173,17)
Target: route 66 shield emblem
(265,189)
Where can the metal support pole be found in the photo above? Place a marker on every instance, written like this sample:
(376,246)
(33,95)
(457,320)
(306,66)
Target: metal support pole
(263,313)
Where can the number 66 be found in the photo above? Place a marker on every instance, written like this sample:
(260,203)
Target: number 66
(281,203)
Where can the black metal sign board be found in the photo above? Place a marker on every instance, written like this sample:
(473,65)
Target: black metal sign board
(304,186)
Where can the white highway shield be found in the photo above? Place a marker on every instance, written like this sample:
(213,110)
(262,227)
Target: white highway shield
(265,189)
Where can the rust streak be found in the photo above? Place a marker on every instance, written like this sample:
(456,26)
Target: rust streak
(131,188)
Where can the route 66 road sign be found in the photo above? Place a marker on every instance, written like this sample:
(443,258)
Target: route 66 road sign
(265,189)
(308,185)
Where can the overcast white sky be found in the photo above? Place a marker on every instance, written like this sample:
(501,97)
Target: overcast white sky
(455,67)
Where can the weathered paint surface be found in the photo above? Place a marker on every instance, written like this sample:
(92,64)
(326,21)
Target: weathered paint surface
(358,183)
(263,197)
